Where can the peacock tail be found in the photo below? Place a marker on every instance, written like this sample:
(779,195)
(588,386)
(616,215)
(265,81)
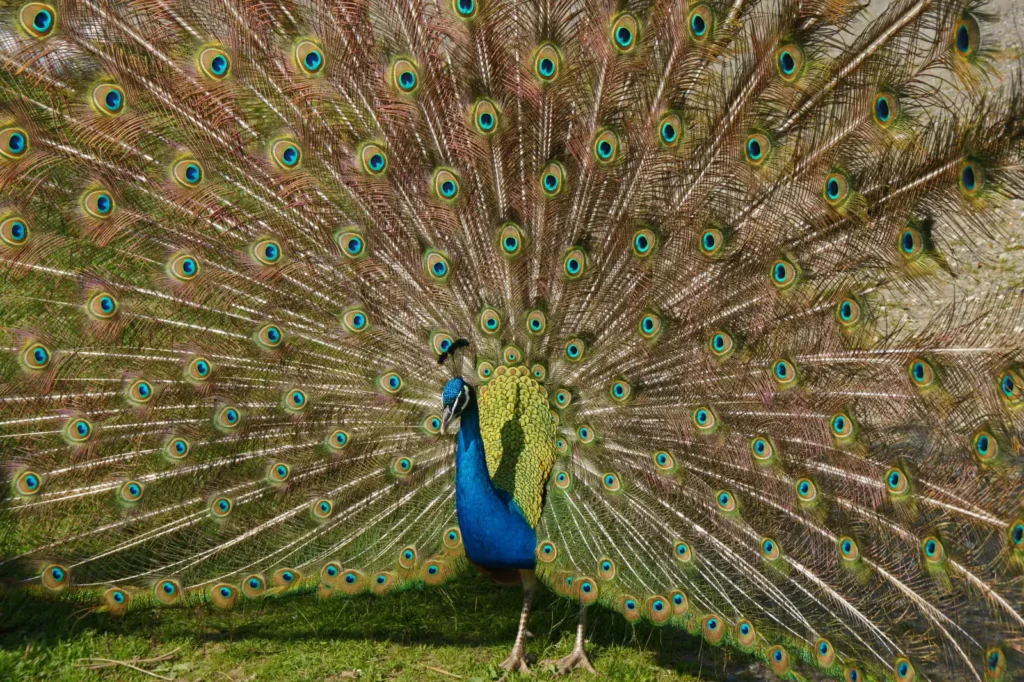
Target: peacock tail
(237,234)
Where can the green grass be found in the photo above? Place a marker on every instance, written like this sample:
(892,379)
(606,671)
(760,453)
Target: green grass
(464,629)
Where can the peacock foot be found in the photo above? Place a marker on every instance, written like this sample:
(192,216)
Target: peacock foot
(517,661)
(577,658)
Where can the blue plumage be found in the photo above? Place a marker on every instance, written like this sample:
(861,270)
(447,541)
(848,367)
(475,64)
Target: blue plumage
(494,531)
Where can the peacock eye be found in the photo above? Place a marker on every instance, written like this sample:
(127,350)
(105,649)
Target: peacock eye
(896,481)
(670,129)
(37,19)
(762,448)
(841,425)
(574,263)
(784,274)
(546,63)
(757,148)
(624,32)
(279,472)
(644,243)
(551,179)
(436,265)
(650,326)
(338,439)
(606,147)
(465,9)
(510,240)
(725,500)
(405,76)
(972,177)
(140,392)
(848,548)
(373,159)
(664,460)
(621,391)
(446,184)
(836,189)
(985,446)
(921,373)
(511,355)
(183,268)
(28,483)
(967,36)
(309,57)
(886,109)
(1011,386)
(575,350)
(489,321)
(78,430)
(485,116)
(784,372)
(790,61)
(390,382)
(440,342)
(806,490)
(55,577)
(770,549)
(536,322)
(108,99)
(586,434)
(14,143)
(745,633)
(177,449)
(286,154)
(214,63)
(98,204)
(101,306)
(221,507)
(704,419)
(700,23)
(322,509)
(351,243)
(14,232)
(712,627)
(228,418)
(187,173)
(131,491)
(712,241)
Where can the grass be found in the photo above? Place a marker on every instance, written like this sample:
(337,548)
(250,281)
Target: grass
(461,631)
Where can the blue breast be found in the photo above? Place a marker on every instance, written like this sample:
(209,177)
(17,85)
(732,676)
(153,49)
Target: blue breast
(494,531)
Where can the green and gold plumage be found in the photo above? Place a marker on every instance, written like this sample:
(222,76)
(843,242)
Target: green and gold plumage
(518,434)
(746,355)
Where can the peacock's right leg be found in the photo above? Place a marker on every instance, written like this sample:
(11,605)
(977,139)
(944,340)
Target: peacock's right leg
(577,658)
(517,660)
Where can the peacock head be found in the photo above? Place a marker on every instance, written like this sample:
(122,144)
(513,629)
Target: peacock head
(456,396)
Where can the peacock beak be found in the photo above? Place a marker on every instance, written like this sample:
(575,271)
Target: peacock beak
(446,416)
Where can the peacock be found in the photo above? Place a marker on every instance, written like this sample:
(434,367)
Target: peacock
(618,298)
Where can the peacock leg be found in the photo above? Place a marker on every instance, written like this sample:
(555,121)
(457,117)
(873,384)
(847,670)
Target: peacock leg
(577,658)
(517,660)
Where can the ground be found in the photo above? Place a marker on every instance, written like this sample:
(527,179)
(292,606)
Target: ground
(461,631)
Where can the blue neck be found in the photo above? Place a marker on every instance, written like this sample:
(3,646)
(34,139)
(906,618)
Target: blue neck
(494,531)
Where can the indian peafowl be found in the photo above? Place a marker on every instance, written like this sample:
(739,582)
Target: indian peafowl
(658,247)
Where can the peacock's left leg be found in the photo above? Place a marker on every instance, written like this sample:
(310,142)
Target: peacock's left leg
(577,658)
(517,660)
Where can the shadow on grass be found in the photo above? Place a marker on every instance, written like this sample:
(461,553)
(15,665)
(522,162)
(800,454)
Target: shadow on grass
(472,618)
